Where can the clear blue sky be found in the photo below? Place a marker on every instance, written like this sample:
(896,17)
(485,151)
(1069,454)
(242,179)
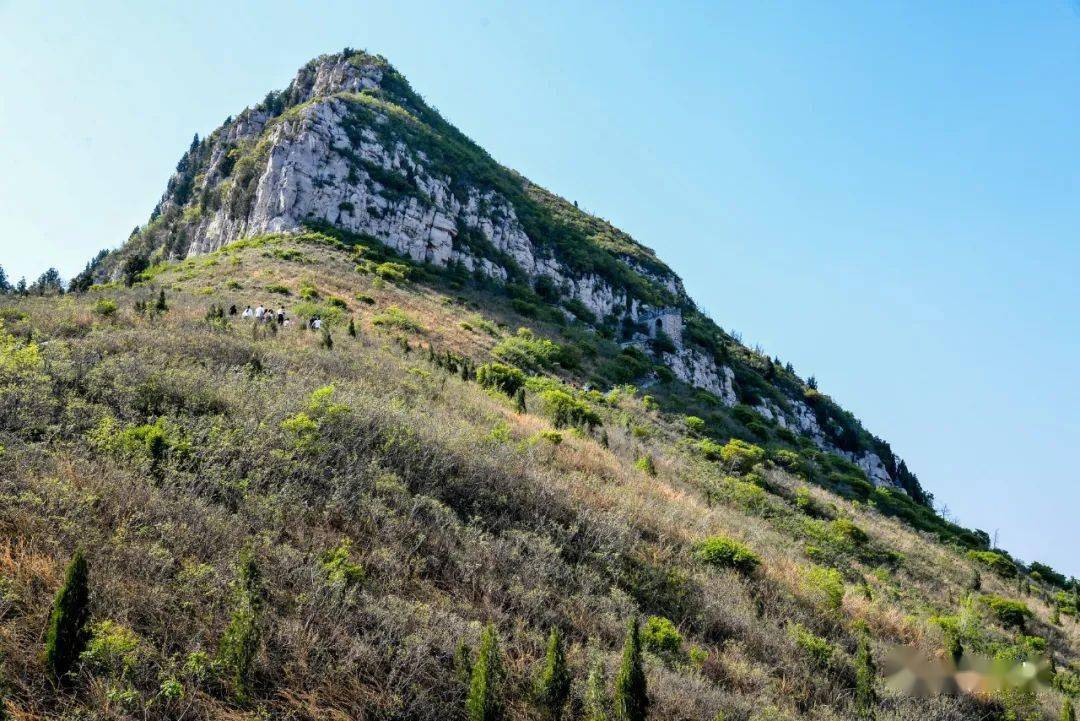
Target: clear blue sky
(886,194)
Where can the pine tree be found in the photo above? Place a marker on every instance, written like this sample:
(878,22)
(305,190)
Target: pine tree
(519,400)
(161,306)
(67,633)
(1067,713)
(631,694)
(351,330)
(20,287)
(865,673)
(483,703)
(5,286)
(326,341)
(240,643)
(596,698)
(976,581)
(553,685)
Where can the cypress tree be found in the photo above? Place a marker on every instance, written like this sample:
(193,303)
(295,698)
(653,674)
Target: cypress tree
(976,581)
(351,330)
(240,644)
(67,633)
(160,305)
(519,400)
(326,341)
(483,703)
(596,698)
(865,671)
(1067,713)
(553,685)
(631,695)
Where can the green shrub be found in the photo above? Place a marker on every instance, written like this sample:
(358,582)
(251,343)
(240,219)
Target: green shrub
(148,442)
(694,424)
(661,637)
(825,586)
(340,570)
(741,456)
(66,634)
(113,648)
(484,702)
(337,302)
(646,465)
(996,562)
(631,693)
(501,377)
(727,553)
(526,351)
(308,291)
(105,307)
(394,317)
(816,647)
(846,531)
(279,289)
(1011,614)
(393,271)
(552,437)
(566,411)
(553,684)
(365,298)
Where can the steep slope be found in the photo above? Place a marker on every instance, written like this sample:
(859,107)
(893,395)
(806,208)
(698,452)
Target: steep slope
(349,146)
(353,510)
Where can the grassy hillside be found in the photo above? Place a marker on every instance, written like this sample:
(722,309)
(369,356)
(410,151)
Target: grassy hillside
(283,523)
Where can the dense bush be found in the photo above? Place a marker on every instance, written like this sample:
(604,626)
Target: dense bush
(660,636)
(1011,614)
(566,411)
(526,351)
(727,552)
(501,377)
(741,456)
(998,563)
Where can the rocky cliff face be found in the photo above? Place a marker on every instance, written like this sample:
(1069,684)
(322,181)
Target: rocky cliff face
(350,145)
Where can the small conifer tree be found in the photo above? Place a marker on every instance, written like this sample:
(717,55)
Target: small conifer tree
(240,644)
(1067,713)
(484,703)
(865,672)
(67,632)
(596,696)
(553,685)
(519,400)
(351,330)
(160,305)
(976,581)
(1055,615)
(631,694)
(325,340)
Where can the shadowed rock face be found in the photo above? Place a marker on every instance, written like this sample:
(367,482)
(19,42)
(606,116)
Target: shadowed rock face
(350,145)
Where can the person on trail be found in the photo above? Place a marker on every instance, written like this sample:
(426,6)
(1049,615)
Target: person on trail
(248,312)
(232,310)
(280,316)
(259,312)
(316,323)
(287,323)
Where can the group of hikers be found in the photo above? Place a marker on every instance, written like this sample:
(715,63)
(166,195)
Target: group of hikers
(262,314)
